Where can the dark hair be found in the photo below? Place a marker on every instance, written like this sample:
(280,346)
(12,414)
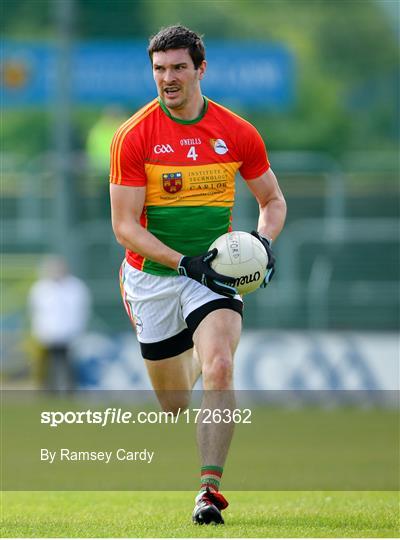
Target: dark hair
(178,37)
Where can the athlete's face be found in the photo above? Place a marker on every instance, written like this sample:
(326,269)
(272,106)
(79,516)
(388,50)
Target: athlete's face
(177,80)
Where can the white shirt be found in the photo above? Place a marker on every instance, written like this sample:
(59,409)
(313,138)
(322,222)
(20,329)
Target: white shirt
(59,309)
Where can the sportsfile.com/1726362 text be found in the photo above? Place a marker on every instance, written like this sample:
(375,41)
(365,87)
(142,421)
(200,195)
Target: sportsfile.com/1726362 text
(113,415)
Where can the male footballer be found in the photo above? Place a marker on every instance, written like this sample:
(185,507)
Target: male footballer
(173,168)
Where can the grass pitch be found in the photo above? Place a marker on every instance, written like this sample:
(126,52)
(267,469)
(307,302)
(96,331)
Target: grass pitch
(168,514)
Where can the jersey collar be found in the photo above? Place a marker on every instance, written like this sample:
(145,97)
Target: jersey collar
(179,120)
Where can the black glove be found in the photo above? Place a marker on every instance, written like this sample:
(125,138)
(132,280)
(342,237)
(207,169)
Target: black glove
(199,269)
(271,257)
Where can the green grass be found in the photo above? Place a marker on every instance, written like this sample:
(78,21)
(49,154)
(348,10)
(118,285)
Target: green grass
(167,514)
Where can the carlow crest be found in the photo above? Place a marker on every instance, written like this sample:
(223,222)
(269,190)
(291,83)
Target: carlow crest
(172,182)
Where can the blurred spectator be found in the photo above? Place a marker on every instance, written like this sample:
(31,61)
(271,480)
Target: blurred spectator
(99,139)
(59,308)
(98,145)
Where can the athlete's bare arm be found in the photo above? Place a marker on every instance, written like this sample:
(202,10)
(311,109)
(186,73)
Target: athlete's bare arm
(272,204)
(126,208)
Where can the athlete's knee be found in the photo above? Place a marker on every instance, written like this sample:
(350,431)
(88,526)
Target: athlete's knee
(218,372)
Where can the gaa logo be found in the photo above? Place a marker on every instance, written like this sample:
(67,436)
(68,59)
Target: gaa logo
(138,324)
(163,149)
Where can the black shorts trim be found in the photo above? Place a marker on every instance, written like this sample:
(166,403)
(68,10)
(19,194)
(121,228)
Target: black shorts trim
(168,347)
(194,319)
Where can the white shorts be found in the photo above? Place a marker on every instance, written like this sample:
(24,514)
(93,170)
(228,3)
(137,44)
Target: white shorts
(165,311)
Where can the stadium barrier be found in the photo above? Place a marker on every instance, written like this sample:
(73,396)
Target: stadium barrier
(273,361)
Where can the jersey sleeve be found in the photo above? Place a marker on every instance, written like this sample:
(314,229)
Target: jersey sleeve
(127,160)
(255,157)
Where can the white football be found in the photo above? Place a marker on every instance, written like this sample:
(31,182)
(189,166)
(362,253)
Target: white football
(242,256)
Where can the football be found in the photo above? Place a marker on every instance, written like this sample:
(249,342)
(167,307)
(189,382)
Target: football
(242,256)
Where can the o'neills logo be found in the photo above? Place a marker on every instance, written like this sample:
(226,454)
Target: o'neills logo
(249,278)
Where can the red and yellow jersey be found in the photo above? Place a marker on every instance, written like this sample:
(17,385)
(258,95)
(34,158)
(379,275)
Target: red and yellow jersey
(189,169)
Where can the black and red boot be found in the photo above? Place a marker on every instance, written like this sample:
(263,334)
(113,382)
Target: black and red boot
(208,508)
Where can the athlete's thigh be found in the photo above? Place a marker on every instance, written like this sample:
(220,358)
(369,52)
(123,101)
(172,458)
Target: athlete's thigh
(173,379)
(218,334)
(171,373)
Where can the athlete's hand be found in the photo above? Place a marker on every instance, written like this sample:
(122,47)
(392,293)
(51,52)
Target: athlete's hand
(271,257)
(199,269)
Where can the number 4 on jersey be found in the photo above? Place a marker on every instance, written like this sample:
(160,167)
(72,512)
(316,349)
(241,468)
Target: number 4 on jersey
(192,153)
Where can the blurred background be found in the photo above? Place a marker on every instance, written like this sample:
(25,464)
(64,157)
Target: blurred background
(320,81)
